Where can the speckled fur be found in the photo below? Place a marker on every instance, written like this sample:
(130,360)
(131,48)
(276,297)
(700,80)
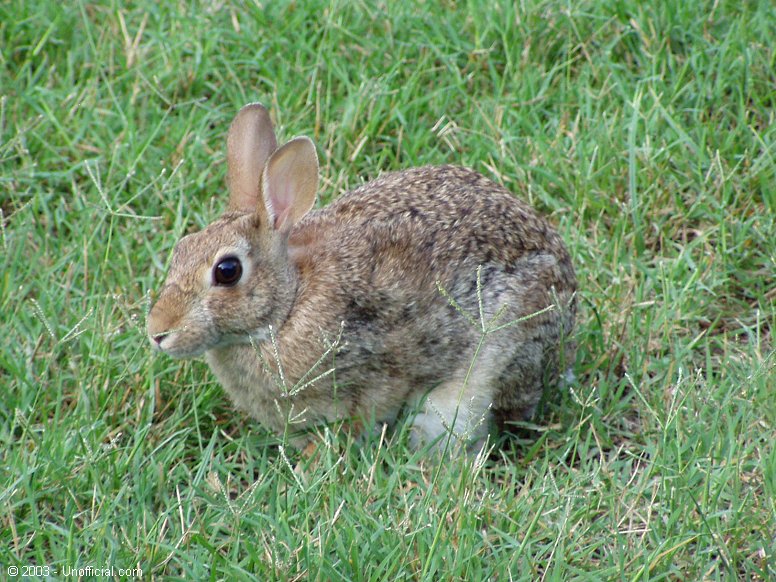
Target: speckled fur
(368,267)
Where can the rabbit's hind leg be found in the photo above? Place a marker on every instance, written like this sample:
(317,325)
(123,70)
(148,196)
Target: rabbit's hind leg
(456,415)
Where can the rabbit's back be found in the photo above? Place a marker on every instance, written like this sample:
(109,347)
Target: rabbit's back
(455,213)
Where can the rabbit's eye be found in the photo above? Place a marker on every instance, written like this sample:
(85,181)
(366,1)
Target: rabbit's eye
(227,271)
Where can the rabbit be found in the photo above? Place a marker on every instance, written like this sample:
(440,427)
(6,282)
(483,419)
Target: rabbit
(372,304)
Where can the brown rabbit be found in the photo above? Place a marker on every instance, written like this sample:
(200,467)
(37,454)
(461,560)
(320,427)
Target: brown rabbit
(376,302)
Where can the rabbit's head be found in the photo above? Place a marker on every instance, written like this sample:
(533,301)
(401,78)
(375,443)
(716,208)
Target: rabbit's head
(230,281)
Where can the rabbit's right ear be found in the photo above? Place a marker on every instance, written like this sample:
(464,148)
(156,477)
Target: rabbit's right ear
(250,143)
(290,183)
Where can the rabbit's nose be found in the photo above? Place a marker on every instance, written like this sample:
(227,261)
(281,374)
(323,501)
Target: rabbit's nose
(159,337)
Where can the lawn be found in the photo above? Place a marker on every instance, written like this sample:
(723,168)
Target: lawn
(646,131)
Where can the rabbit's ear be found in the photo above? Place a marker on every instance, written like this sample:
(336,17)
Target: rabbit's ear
(290,182)
(250,143)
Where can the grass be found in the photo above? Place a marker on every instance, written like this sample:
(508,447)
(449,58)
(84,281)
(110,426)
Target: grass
(645,130)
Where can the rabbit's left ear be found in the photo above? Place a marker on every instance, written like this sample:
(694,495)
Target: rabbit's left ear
(249,145)
(290,183)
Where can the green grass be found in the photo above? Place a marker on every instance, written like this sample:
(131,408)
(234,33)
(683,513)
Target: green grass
(646,130)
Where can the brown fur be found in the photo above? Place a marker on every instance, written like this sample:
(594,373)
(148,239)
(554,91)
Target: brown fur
(369,266)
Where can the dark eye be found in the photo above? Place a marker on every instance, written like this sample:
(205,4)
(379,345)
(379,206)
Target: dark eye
(227,272)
